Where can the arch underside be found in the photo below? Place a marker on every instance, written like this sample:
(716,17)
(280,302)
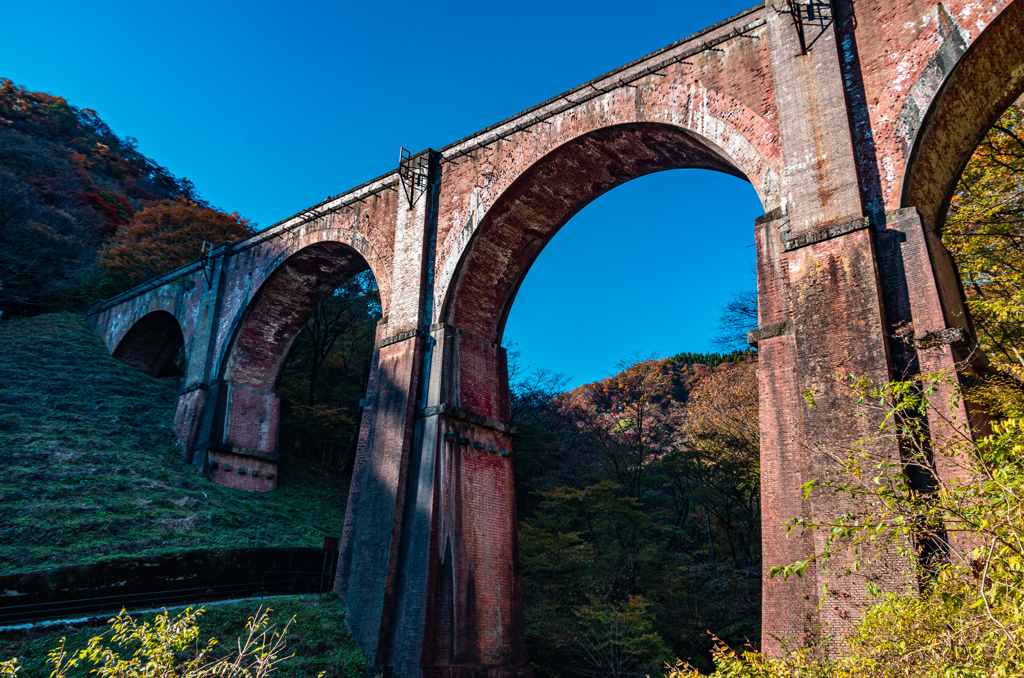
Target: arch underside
(282,306)
(532,210)
(986,80)
(152,344)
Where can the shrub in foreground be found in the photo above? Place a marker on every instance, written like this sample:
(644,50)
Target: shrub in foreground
(965,619)
(169,646)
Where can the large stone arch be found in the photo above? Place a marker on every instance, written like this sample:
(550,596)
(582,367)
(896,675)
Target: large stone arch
(466,415)
(984,81)
(971,85)
(242,432)
(734,138)
(548,193)
(152,343)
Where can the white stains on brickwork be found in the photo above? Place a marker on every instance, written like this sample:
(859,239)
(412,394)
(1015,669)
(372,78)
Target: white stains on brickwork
(600,104)
(975,10)
(444,278)
(904,69)
(726,125)
(697,110)
(890,169)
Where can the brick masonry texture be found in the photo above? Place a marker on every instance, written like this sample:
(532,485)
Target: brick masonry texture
(854,149)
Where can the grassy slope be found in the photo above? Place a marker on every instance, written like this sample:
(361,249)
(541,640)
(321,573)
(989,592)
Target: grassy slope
(89,468)
(318,637)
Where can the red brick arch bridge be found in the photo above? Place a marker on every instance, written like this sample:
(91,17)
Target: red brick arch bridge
(852,120)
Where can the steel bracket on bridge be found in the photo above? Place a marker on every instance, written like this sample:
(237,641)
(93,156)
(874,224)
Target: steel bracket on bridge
(411,174)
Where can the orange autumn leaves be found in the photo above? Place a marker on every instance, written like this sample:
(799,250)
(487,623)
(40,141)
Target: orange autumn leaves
(165,235)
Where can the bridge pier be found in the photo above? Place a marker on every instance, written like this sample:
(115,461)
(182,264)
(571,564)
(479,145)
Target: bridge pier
(839,302)
(429,566)
(474,598)
(240,438)
(822,319)
(375,517)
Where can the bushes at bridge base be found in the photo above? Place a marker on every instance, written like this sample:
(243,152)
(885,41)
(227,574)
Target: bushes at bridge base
(966,617)
(168,646)
(317,643)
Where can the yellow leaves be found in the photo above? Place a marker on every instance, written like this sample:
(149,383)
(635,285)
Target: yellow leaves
(168,647)
(722,410)
(985,233)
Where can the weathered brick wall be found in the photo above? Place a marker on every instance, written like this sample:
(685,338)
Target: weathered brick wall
(187,413)
(483,388)
(819,177)
(475,595)
(364,446)
(374,525)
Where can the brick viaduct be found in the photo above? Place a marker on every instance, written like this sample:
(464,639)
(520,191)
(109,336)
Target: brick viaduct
(852,124)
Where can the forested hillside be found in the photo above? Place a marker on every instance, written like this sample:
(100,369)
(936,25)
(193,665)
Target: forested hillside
(73,193)
(83,215)
(639,515)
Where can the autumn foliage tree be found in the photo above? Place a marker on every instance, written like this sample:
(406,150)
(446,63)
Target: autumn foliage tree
(634,420)
(163,236)
(985,234)
(639,515)
(68,186)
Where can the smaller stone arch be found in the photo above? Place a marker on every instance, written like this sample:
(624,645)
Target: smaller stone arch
(152,345)
(359,230)
(280,308)
(243,408)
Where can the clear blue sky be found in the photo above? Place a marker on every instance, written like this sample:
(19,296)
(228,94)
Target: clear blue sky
(270,107)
